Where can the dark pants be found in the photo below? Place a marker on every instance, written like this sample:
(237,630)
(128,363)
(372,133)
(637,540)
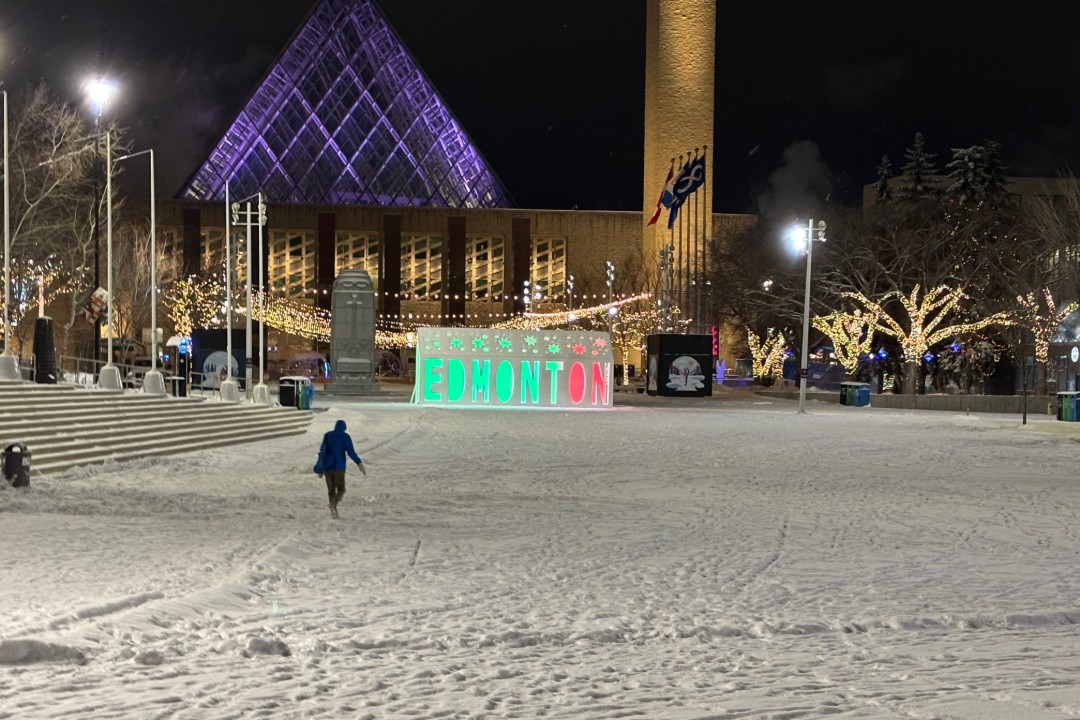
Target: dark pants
(335,485)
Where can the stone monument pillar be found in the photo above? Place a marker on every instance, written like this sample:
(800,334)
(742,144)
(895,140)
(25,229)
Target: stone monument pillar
(680,58)
(352,334)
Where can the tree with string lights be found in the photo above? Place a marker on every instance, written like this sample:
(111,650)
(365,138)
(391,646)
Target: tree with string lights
(852,335)
(1043,320)
(767,353)
(917,321)
(195,303)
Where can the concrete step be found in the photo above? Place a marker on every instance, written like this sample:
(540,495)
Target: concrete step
(153,415)
(149,429)
(66,427)
(82,454)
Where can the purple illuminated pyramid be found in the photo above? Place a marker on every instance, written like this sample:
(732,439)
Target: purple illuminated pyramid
(346,116)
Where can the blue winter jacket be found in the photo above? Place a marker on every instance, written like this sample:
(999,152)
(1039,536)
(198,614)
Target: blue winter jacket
(336,445)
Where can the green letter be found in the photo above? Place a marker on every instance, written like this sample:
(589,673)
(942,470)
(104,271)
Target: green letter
(530,381)
(504,381)
(481,372)
(553,367)
(431,376)
(455,380)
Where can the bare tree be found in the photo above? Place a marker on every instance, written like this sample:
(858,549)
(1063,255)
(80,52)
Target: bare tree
(53,162)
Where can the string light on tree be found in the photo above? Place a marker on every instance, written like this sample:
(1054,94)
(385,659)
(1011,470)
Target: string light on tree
(852,335)
(767,353)
(1043,324)
(921,326)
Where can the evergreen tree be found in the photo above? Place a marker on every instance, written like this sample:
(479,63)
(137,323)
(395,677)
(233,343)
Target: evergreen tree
(995,173)
(919,171)
(884,172)
(977,175)
(964,168)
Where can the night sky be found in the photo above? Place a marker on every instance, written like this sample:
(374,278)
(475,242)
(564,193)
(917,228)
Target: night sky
(552,94)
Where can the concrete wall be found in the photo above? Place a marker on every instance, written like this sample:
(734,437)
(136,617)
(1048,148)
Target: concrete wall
(1036,404)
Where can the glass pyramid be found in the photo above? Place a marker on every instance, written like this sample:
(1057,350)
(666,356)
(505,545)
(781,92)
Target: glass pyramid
(346,116)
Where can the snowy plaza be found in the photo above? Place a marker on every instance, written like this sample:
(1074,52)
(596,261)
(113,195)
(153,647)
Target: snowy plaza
(691,558)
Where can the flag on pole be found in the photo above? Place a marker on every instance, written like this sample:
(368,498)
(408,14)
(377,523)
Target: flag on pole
(668,184)
(691,176)
(692,179)
(667,198)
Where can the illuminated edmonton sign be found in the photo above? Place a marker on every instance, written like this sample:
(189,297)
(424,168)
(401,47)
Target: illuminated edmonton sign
(495,367)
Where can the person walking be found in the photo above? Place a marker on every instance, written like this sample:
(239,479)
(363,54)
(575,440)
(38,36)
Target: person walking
(337,448)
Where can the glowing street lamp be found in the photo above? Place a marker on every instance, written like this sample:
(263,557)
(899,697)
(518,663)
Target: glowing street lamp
(100,92)
(804,239)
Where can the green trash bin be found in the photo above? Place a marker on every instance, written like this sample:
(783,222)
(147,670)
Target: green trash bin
(1067,406)
(846,393)
(305,393)
(855,394)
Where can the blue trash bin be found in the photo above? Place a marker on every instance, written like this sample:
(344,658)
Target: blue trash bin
(862,395)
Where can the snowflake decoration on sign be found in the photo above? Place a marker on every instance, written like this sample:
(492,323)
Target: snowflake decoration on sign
(456,342)
(599,342)
(530,340)
(553,348)
(505,343)
(578,349)
(478,343)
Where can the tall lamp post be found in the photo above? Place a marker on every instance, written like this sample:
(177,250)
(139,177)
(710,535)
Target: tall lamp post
(260,393)
(9,365)
(153,381)
(99,91)
(228,389)
(807,236)
(109,378)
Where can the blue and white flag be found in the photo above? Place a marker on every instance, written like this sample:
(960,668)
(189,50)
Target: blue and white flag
(691,176)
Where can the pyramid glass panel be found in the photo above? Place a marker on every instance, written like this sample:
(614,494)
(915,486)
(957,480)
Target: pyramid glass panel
(344,116)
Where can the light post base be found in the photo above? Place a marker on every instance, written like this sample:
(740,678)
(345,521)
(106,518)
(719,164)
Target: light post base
(9,368)
(261,394)
(153,383)
(230,391)
(109,378)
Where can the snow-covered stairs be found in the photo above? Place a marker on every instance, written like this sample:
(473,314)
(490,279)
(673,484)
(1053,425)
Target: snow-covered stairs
(65,426)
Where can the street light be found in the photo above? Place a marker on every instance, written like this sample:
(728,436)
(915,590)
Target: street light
(806,237)
(109,377)
(261,393)
(99,91)
(9,366)
(153,381)
(228,390)
(610,277)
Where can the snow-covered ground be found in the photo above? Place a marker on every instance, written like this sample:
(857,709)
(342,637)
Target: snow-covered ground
(724,558)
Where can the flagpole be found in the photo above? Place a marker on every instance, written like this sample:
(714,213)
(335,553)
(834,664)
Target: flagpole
(691,259)
(684,269)
(705,240)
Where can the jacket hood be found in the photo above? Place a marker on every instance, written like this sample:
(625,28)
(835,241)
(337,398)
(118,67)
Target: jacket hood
(339,426)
